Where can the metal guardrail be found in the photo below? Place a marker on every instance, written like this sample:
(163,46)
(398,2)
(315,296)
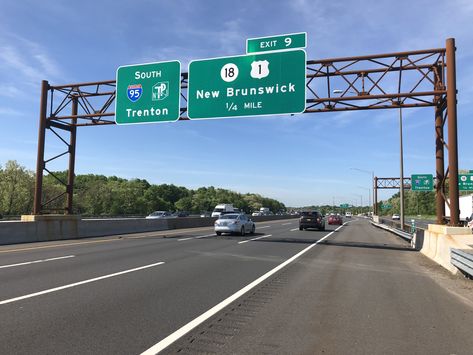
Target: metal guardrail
(462,260)
(401,233)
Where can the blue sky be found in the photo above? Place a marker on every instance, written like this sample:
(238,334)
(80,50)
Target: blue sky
(300,160)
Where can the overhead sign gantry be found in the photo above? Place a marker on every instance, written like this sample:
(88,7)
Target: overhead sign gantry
(411,79)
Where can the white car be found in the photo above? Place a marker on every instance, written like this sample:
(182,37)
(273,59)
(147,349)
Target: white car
(396,217)
(159,214)
(234,223)
(348,214)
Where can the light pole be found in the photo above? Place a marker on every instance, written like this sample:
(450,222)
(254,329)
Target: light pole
(361,201)
(369,191)
(372,184)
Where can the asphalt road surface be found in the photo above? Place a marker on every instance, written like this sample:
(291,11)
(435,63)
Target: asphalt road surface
(347,290)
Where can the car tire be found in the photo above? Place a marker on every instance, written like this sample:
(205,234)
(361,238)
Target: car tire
(300,228)
(253,229)
(242,232)
(322,228)
(218,233)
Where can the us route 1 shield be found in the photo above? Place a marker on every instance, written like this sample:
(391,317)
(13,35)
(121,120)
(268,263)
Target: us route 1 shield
(148,93)
(247,85)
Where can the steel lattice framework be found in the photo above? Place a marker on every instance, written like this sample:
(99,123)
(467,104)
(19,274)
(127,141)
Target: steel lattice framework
(387,183)
(384,81)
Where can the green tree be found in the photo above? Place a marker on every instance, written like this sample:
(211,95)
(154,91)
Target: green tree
(16,189)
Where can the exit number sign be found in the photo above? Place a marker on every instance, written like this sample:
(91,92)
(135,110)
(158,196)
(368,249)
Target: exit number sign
(276,43)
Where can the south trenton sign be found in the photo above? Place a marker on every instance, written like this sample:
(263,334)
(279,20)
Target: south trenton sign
(247,85)
(422,182)
(148,93)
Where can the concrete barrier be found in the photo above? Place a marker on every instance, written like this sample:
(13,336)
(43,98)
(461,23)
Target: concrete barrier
(439,239)
(60,227)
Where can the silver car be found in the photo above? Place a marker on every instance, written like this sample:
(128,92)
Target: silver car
(159,214)
(234,223)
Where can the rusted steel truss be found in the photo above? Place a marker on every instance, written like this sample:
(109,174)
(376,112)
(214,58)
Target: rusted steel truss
(387,183)
(384,81)
(392,183)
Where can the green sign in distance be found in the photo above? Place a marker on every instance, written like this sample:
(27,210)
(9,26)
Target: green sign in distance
(344,205)
(148,93)
(274,43)
(465,182)
(424,182)
(248,85)
(386,206)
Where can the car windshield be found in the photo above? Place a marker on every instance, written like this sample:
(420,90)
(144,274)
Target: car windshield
(157,213)
(229,216)
(218,210)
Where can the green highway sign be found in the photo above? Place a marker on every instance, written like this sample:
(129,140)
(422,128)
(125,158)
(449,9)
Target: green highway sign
(344,205)
(386,206)
(247,85)
(148,93)
(424,182)
(274,43)
(465,182)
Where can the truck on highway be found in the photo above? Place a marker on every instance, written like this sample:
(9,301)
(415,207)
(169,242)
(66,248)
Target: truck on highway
(466,208)
(222,208)
(264,211)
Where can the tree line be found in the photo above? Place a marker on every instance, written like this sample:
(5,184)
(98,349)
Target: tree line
(99,195)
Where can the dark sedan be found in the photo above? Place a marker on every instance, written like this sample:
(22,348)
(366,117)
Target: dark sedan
(311,219)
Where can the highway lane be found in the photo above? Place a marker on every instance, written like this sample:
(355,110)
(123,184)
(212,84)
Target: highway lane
(129,312)
(361,291)
(358,291)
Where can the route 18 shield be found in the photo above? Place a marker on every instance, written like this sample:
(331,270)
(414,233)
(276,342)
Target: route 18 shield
(134,92)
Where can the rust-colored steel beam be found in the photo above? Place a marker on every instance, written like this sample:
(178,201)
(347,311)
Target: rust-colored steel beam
(375,195)
(369,71)
(85,115)
(377,56)
(392,183)
(439,151)
(72,158)
(77,85)
(359,108)
(452,133)
(41,142)
(375,97)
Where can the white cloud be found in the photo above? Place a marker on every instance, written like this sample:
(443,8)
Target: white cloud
(24,61)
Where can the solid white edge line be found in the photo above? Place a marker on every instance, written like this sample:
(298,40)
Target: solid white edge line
(163,344)
(264,227)
(37,261)
(249,240)
(285,224)
(77,283)
(294,229)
